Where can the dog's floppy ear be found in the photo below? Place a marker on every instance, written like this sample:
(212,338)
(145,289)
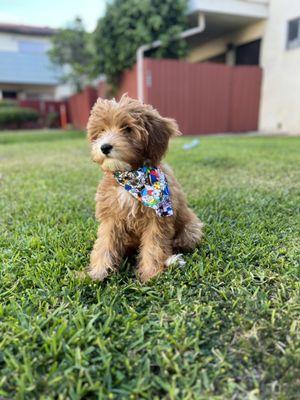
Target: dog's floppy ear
(159,131)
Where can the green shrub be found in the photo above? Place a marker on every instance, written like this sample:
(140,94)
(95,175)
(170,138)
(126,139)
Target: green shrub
(7,103)
(17,116)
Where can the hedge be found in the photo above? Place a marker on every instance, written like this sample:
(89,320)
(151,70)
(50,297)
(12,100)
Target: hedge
(17,116)
(8,103)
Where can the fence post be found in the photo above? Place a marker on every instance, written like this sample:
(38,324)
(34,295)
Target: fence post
(63,116)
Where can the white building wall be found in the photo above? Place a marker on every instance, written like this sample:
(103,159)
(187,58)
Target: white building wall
(280,101)
(10,42)
(63,91)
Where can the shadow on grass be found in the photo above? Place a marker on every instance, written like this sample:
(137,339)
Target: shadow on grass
(218,162)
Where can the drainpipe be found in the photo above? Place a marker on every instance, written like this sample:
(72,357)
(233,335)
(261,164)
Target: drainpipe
(145,47)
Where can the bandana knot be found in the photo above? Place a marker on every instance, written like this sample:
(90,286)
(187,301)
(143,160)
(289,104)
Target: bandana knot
(148,185)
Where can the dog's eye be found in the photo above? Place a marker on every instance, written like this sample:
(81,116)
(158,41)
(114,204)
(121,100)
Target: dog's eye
(127,130)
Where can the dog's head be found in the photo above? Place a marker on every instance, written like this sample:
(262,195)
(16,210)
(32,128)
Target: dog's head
(128,134)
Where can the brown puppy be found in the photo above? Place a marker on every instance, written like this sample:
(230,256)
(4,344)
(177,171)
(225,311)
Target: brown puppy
(126,136)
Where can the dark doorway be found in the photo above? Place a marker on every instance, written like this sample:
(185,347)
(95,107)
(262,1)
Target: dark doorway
(248,54)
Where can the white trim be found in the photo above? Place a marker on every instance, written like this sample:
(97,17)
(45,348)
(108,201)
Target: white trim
(244,8)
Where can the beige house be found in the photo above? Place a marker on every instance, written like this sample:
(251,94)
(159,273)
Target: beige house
(256,32)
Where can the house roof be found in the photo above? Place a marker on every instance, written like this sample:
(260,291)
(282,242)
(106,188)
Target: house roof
(28,68)
(27,30)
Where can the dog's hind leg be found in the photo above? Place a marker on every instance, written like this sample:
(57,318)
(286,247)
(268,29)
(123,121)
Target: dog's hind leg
(190,232)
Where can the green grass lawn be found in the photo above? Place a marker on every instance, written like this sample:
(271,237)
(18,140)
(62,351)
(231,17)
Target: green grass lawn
(226,326)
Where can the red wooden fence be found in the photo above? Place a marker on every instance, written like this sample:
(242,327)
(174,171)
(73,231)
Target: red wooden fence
(79,107)
(245,98)
(128,84)
(44,107)
(203,97)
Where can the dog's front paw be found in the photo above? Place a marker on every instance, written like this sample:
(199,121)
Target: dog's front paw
(98,273)
(144,274)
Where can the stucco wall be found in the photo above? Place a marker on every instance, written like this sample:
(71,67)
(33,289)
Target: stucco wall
(280,102)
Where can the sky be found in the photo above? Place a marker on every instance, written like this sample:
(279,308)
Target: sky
(53,13)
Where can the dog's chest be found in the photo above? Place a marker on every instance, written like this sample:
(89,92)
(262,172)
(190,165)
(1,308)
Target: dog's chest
(128,205)
(125,199)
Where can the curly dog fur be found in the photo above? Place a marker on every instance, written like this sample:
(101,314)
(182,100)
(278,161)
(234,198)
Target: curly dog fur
(138,135)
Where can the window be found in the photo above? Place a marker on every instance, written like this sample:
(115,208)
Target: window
(9,94)
(293,39)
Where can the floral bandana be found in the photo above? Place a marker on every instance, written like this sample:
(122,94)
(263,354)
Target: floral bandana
(149,185)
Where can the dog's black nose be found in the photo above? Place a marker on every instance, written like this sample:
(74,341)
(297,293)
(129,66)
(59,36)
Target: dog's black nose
(106,148)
